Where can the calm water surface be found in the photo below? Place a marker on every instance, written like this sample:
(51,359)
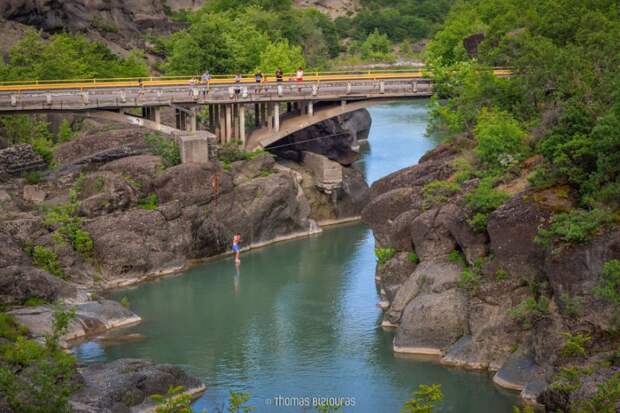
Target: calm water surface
(297,319)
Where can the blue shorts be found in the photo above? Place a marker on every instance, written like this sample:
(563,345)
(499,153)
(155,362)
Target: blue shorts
(235,248)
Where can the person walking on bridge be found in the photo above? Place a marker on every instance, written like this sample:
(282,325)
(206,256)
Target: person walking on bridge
(279,75)
(237,84)
(299,77)
(205,80)
(258,76)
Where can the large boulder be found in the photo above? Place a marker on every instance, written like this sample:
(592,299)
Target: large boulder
(140,170)
(432,322)
(18,283)
(193,183)
(127,384)
(92,317)
(139,242)
(394,273)
(106,192)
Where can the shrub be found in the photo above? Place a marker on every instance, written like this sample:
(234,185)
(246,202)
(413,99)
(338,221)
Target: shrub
(456,257)
(501,274)
(575,345)
(572,305)
(604,400)
(51,371)
(438,192)
(500,139)
(9,328)
(149,202)
(232,152)
(45,148)
(482,201)
(568,379)
(424,399)
(470,281)
(47,260)
(529,310)
(608,287)
(173,402)
(32,177)
(65,132)
(69,225)
(542,178)
(34,302)
(384,254)
(124,302)
(413,257)
(377,48)
(167,148)
(575,227)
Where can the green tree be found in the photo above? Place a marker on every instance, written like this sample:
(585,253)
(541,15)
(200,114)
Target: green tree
(377,48)
(281,55)
(500,139)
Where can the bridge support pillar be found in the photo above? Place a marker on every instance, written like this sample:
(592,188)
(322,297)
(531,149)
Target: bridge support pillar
(192,124)
(311,108)
(219,125)
(152,113)
(194,148)
(276,117)
(210,109)
(289,107)
(242,124)
(181,119)
(228,123)
(256,115)
(343,103)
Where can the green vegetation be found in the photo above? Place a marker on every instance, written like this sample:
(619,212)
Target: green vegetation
(530,310)
(572,306)
(564,92)
(232,152)
(34,377)
(482,201)
(384,254)
(377,48)
(167,148)
(149,202)
(604,401)
(237,403)
(9,329)
(32,177)
(66,56)
(425,397)
(47,260)
(568,379)
(470,281)
(68,224)
(413,257)
(124,302)
(575,345)
(501,274)
(575,227)
(608,287)
(456,257)
(173,402)
(436,193)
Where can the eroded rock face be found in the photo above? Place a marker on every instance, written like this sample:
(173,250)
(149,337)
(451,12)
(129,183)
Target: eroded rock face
(128,384)
(481,322)
(18,283)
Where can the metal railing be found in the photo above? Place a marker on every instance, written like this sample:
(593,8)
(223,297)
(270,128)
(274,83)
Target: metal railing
(162,81)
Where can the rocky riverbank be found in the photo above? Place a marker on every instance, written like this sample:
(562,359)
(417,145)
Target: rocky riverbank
(113,213)
(492,299)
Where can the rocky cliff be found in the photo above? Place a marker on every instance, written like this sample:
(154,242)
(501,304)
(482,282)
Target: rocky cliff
(493,299)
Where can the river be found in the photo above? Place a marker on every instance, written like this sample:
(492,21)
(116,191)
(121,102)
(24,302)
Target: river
(298,319)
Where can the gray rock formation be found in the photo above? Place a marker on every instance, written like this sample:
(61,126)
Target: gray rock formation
(126,385)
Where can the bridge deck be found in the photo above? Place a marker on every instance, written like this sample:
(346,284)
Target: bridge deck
(113,98)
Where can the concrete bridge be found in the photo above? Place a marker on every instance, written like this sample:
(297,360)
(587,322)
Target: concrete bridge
(253,114)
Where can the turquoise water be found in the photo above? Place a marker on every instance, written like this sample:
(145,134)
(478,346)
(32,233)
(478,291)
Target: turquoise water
(297,320)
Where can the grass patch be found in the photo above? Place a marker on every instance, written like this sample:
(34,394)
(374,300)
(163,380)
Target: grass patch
(438,192)
(575,345)
(529,311)
(413,257)
(384,254)
(149,202)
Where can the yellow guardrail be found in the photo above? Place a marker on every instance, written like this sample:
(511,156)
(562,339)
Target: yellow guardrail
(43,85)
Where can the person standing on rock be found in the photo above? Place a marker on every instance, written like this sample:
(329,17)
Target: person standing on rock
(235,247)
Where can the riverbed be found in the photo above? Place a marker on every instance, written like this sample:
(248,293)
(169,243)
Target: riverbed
(297,320)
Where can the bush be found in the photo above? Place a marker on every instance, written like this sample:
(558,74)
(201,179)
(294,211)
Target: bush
(47,260)
(51,376)
(608,287)
(568,379)
(173,402)
(167,148)
(529,310)
(69,225)
(482,201)
(384,254)
(413,257)
(149,202)
(575,227)
(501,274)
(457,257)
(32,177)
(572,306)
(604,400)
(232,152)
(438,192)
(575,345)
(500,139)
(470,281)
(65,132)
(424,399)
(125,302)
(9,329)
(377,48)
